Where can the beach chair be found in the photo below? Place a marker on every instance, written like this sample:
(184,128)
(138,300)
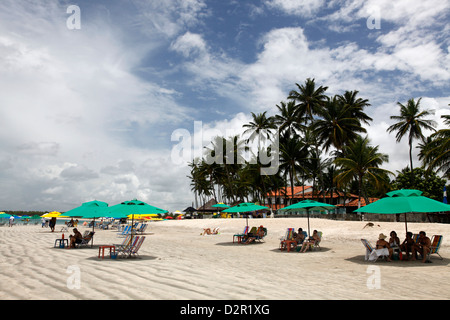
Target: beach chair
(142,228)
(257,235)
(125,242)
(86,239)
(131,249)
(135,249)
(126,231)
(436,241)
(288,240)
(239,236)
(261,233)
(316,243)
(373,254)
(415,237)
(125,249)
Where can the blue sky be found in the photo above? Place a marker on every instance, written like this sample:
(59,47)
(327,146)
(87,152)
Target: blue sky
(88,113)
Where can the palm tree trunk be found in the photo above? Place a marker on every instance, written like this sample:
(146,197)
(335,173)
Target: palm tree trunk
(411,165)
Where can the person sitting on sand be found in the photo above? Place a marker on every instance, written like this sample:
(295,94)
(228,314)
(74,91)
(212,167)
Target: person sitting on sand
(383,244)
(407,245)
(76,238)
(310,242)
(208,231)
(422,246)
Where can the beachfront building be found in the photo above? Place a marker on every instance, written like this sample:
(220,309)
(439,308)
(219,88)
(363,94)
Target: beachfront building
(283,197)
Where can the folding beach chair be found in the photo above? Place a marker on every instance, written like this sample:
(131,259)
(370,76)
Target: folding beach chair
(373,254)
(86,239)
(316,243)
(239,236)
(126,231)
(288,240)
(436,241)
(261,233)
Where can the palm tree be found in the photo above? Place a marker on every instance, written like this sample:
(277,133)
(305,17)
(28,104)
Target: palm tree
(309,99)
(287,120)
(355,105)
(411,122)
(260,127)
(337,125)
(435,152)
(361,161)
(292,152)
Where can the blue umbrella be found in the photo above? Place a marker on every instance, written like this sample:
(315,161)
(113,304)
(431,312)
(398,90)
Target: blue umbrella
(445,194)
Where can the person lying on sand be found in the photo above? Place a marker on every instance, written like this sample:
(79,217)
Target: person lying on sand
(208,231)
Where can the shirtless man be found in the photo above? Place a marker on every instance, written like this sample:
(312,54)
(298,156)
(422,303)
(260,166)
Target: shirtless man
(76,238)
(422,246)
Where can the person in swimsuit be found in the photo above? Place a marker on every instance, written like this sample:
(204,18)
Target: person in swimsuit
(383,244)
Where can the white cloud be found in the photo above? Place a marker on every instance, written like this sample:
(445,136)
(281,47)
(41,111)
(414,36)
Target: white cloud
(80,123)
(304,8)
(189,44)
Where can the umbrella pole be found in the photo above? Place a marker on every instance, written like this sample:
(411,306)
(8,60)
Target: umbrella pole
(307,214)
(93,225)
(132,225)
(406,225)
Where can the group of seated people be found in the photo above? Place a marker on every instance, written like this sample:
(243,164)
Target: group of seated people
(409,246)
(305,242)
(254,235)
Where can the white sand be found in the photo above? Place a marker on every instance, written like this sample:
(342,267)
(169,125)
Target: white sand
(178,263)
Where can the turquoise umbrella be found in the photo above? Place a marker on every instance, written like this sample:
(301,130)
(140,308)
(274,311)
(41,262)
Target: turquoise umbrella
(245,207)
(307,205)
(220,205)
(90,210)
(404,201)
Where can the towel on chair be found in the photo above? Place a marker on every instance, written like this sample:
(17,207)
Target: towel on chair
(373,256)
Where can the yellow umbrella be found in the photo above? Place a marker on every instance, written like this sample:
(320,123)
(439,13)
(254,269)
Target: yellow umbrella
(53,214)
(141,216)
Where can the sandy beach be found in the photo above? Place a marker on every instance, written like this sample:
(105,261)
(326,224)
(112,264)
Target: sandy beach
(176,262)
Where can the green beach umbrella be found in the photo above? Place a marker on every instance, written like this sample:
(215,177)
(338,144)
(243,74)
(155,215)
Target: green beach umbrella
(404,201)
(307,205)
(220,205)
(134,208)
(90,210)
(245,207)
